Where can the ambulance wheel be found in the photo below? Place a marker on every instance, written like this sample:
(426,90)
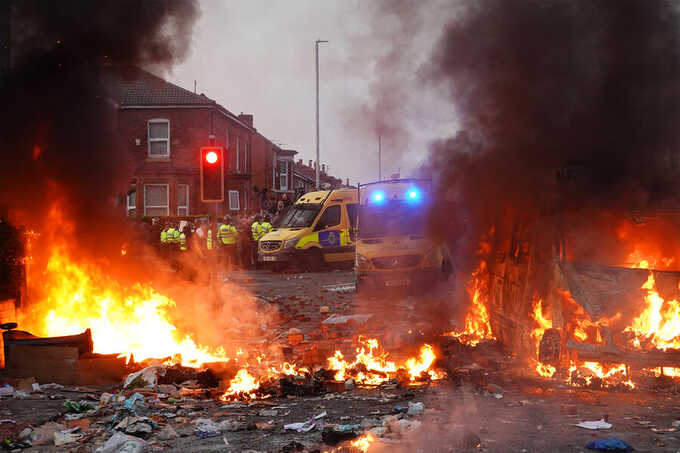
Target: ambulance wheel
(313,260)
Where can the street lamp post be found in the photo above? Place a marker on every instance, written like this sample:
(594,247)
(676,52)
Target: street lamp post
(318,41)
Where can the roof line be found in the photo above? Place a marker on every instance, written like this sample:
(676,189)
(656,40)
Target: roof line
(213,106)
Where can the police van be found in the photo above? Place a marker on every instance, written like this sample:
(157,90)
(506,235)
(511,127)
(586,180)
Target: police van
(393,248)
(318,229)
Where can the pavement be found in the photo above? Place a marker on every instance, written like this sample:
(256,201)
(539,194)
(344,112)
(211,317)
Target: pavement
(498,407)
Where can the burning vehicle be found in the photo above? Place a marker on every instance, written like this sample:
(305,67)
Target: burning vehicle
(597,308)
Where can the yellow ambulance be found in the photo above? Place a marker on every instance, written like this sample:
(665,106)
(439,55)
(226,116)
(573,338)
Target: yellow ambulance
(319,228)
(393,248)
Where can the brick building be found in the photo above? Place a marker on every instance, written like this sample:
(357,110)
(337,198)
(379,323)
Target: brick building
(164,126)
(305,178)
(273,170)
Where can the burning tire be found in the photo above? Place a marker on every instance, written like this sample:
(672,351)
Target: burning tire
(550,347)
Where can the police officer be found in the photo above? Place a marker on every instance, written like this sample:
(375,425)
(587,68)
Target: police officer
(226,236)
(182,240)
(265,226)
(172,236)
(255,228)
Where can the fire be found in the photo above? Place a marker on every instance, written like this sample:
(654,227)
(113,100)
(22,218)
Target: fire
(543,324)
(659,323)
(417,366)
(588,371)
(477,325)
(127,320)
(363,443)
(371,367)
(243,384)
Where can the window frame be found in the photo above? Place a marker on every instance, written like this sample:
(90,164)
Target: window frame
(186,201)
(167,199)
(150,140)
(319,224)
(238,202)
(238,151)
(286,174)
(132,196)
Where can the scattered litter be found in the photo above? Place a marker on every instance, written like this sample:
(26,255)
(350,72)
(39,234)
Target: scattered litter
(350,385)
(6,390)
(314,422)
(136,426)
(676,424)
(599,424)
(135,401)
(52,386)
(268,413)
(105,398)
(44,434)
(415,408)
(206,434)
(36,387)
(609,444)
(121,443)
(79,407)
(145,377)
(7,420)
(168,433)
(333,436)
(205,425)
(63,438)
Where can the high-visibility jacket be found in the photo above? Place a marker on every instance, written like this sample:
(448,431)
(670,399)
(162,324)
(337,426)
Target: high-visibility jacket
(209,239)
(182,241)
(172,236)
(164,236)
(265,227)
(256,230)
(227,234)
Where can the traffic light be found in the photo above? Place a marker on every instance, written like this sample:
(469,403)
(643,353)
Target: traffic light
(212,173)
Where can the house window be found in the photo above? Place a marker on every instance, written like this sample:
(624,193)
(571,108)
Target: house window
(283,174)
(159,138)
(156,200)
(274,172)
(233,200)
(238,150)
(131,204)
(182,199)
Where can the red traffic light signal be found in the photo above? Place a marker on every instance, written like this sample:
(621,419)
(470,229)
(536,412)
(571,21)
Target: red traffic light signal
(212,174)
(211,157)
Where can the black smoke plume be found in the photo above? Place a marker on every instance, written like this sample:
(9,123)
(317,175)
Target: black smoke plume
(58,130)
(563,105)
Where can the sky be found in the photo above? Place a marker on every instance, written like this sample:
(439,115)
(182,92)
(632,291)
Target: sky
(257,57)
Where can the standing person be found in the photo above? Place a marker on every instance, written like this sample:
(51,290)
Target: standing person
(255,234)
(245,244)
(226,236)
(266,226)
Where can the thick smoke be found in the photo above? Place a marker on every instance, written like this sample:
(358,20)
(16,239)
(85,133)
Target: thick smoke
(563,105)
(58,137)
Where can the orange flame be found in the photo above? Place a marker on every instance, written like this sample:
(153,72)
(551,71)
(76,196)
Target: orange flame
(363,443)
(659,323)
(587,371)
(371,367)
(543,324)
(243,384)
(477,325)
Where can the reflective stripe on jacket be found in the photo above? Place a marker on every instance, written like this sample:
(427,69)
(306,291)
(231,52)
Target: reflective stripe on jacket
(256,230)
(227,234)
(209,240)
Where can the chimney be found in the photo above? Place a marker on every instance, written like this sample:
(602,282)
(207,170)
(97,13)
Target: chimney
(246,118)
(323,168)
(299,162)
(347,182)
(314,165)
(310,163)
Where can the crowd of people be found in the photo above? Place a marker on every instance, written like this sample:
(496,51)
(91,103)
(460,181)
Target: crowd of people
(232,241)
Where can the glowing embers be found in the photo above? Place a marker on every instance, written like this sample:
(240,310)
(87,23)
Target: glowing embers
(597,375)
(372,367)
